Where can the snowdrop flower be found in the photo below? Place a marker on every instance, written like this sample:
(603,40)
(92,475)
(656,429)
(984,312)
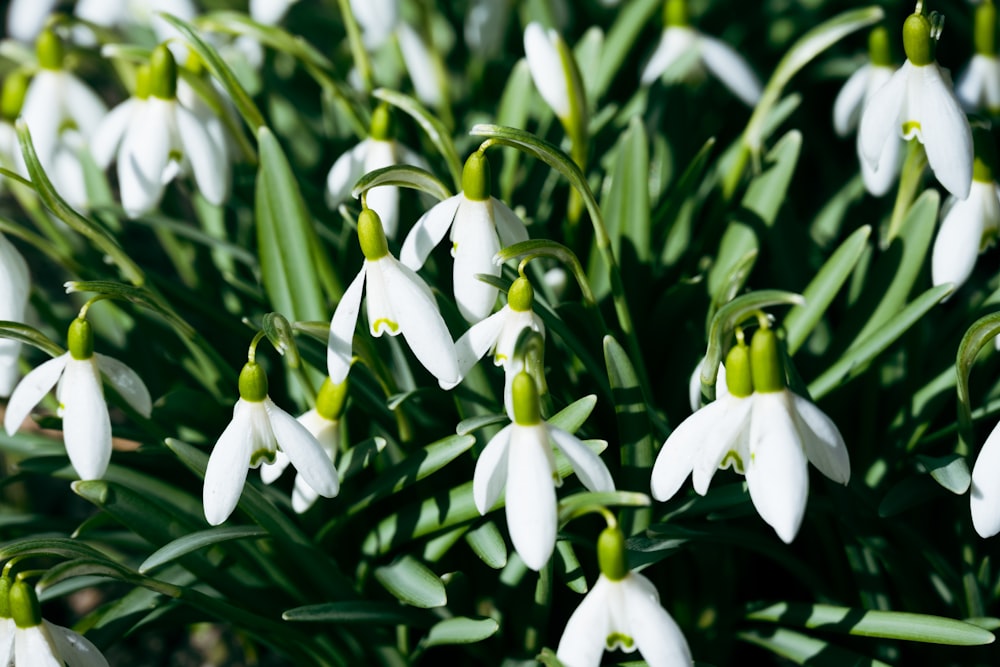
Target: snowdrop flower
(28,639)
(26,18)
(377,19)
(694,385)
(969,225)
(377,151)
(323,422)
(155,139)
(13,302)
(985,497)
(481,226)
(762,430)
(86,424)
(424,67)
(621,611)
(555,73)
(679,39)
(519,459)
(399,302)
(918,102)
(851,100)
(258,429)
(62,113)
(978,86)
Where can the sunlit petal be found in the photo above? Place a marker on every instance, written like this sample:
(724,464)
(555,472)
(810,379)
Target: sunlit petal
(956,246)
(588,466)
(656,634)
(307,455)
(428,231)
(209,164)
(340,344)
(946,133)
(74,648)
(546,67)
(730,68)
(880,120)
(824,446)
(86,425)
(985,496)
(479,339)
(531,495)
(30,391)
(34,646)
(490,476)
(144,154)
(726,437)
(582,642)
(345,172)
(850,100)
(674,42)
(109,134)
(227,466)
(475,244)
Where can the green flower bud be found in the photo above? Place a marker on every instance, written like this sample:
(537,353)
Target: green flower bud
(371,236)
(80,339)
(5,584)
(24,607)
(162,73)
(879,51)
(253,382)
(986,157)
(382,125)
(12,97)
(476,178)
(675,13)
(331,399)
(142,82)
(49,49)
(766,368)
(524,396)
(917,42)
(738,372)
(986,29)
(521,295)
(611,554)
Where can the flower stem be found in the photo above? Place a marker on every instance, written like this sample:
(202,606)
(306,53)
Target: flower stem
(909,183)
(358,52)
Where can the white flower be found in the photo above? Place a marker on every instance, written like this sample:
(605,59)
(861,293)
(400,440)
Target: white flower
(499,332)
(46,645)
(258,429)
(978,86)
(716,56)
(847,108)
(327,434)
(624,614)
(13,302)
(480,225)
(269,12)
(398,302)
(86,424)
(377,19)
(26,18)
(424,68)
(985,496)
(519,459)
(551,67)
(970,225)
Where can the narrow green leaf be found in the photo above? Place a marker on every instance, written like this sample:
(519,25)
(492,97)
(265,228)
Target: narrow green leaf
(412,582)
(873,623)
(414,522)
(805,650)
(488,543)
(512,111)
(621,39)
(195,541)
(404,176)
(430,124)
(140,296)
(980,334)
(49,547)
(359,457)
(572,417)
(461,630)
(31,336)
(358,611)
(527,250)
(951,471)
(579,504)
(467,426)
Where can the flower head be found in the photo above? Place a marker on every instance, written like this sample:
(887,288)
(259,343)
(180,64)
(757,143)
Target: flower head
(762,430)
(258,429)
(26,18)
(481,226)
(520,460)
(978,86)
(86,424)
(918,102)
(499,332)
(398,302)
(621,611)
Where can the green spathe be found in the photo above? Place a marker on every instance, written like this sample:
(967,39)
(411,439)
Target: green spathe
(253,382)
(765,362)
(611,553)
(80,339)
(917,40)
(371,236)
(985,160)
(524,396)
(476,178)
(24,607)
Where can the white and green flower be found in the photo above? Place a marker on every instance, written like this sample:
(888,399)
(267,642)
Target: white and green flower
(13,303)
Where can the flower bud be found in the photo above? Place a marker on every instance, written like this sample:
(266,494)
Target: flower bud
(12,97)
(253,382)
(331,399)
(611,554)
(162,73)
(766,368)
(521,295)
(49,49)
(917,40)
(371,236)
(986,29)
(24,607)
(524,397)
(476,178)
(879,51)
(738,371)
(381,127)
(80,339)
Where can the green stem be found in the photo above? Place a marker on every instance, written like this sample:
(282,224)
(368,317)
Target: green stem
(358,52)
(909,185)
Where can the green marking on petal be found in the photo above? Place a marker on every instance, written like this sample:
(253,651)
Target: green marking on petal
(616,639)
(910,128)
(732,459)
(261,456)
(385,322)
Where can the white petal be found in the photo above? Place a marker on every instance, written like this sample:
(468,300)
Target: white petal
(531,495)
(303,495)
(582,641)
(270,472)
(66,172)
(86,424)
(307,455)
(946,133)
(880,118)
(880,178)
(377,18)
(515,323)
(108,135)
(428,231)
(694,385)
(34,646)
(143,157)
(209,164)
(345,318)
(83,105)
(30,391)
(546,66)
(421,65)
(850,100)
(490,477)
(127,383)
(985,496)
(728,436)
(956,246)
(74,648)
(269,12)
(26,18)
(824,446)
(345,172)
(510,227)
(730,68)
(676,459)
(656,634)
(479,339)
(777,473)
(7,632)
(42,112)
(384,199)
(227,466)
(421,323)
(588,466)
(674,42)
(475,244)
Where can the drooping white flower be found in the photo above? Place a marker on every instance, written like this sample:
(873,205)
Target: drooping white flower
(26,18)
(622,611)
(985,496)
(424,67)
(398,302)
(155,139)
(970,226)
(918,102)
(480,225)
(13,302)
(978,86)
(375,152)
(552,69)
(680,40)
(377,20)
(499,332)
(86,424)
(763,431)
(520,460)
(260,429)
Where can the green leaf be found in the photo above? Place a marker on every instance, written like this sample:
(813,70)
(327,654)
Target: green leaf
(805,650)
(195,541)
(579,504)
(980,334)
(358,611)
(359,457)
(488,543)
(30,336)
(139,296)
(412,582)
(49,547)
(951,471)
(461,630)
(873,623)
(631,19)
(572,417)
(512,111)
(467,426)
(430,124)
(528,250)
(405,176)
